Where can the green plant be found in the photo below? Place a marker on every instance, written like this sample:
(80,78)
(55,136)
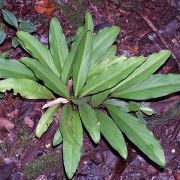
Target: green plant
(17,24)
(106,89)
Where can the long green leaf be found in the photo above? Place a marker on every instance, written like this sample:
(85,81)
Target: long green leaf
(4,55)
(68,66)
(57,139)
(90,121)
(15,69)
(102,42)
(26,88)
(46,120)
(111,76)
(99,98)
(106,63)
(118,103)
(51,80)
(58,44)
(66,125)
(37,50)
(112,133)
(152,63)
(111,52)
(155,86)
(89,26)
(105,60)
(72,153)
(81,65)
(139,134)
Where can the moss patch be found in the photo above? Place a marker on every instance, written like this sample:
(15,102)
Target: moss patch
(44,165)
(75,10)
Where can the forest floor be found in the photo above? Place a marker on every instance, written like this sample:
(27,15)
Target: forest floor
(146,27)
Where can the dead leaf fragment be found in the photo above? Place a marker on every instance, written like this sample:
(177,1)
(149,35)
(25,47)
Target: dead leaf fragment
(44,7)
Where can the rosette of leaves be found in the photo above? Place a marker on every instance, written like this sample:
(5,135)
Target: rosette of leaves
(106,89)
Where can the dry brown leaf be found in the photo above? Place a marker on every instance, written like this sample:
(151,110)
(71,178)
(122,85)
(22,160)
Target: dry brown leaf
(44,7)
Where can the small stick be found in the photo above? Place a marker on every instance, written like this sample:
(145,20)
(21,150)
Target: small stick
(152,26)
(176,131)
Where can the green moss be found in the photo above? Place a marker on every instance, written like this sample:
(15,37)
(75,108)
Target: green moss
(24,137)
(22,142)
(75,10)
(44,165)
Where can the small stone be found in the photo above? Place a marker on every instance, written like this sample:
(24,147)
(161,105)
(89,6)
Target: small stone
(152,36)
(48,145)
(41,177)
(174,41)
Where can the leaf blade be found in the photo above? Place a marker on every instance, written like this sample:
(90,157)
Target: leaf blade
(155,86)
(27,27)
(111,76)
(68,66)
(112,133)
(90,121)
(118,103)
(4,55)
(89,26)
(58,44)
(10,18)
(2,36)
(102,41)
(51,80)
(99,98)
(57,139)
(46,120)
(13,68)
(65,123)
(26,87)
(106,63)
(152,63)
(37,50)
(71,153)
(81,65)
(141,136)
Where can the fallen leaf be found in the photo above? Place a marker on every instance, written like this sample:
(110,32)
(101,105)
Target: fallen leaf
(44,7)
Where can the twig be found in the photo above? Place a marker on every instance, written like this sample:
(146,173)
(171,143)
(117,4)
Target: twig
(176,131)
(152,26)
(32,5)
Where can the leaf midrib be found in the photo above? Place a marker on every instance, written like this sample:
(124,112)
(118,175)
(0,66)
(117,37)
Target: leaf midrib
(106,80)
(132,129)
(137,73)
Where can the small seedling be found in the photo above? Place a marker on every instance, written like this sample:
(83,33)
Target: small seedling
(18,25)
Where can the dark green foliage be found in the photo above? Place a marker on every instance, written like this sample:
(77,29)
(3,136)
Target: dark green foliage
(100,81)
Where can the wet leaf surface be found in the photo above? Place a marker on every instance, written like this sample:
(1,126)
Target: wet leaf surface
(22,156)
